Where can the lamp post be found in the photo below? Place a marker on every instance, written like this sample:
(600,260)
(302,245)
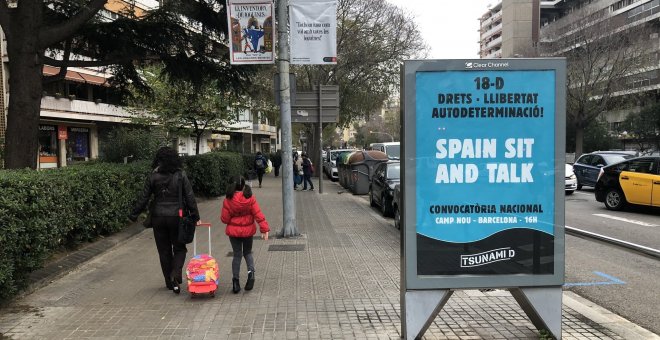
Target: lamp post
(384,133)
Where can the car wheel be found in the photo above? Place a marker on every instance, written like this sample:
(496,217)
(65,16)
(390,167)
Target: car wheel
(569,192)
(385,207)
(372,202)
(614,199)
(397,218)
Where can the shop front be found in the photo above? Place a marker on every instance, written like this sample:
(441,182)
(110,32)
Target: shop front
(48,146)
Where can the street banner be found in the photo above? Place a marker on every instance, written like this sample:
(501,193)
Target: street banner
(484,172)
(313,32)
(251,31)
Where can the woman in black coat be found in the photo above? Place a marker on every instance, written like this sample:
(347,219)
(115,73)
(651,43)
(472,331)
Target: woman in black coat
(163,185)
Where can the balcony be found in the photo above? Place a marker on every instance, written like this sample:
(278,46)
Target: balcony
(494,42)
(494,30)
(264,129)
(66,108)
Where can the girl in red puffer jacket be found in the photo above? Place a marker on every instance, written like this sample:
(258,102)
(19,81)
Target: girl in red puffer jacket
(240,210)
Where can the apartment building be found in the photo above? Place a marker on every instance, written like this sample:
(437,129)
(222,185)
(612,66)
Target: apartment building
(79,112)
(532,28)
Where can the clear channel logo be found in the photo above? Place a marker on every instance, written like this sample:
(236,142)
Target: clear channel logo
(487,257)
(490,64)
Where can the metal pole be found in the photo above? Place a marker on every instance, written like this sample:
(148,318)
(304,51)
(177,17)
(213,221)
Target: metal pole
(289,227)
(319,167)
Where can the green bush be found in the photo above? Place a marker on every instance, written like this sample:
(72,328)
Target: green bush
(43,210)
(210,172)
(138,144)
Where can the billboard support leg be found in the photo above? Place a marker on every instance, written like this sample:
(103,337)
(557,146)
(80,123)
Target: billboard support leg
(542,305)
(421,308)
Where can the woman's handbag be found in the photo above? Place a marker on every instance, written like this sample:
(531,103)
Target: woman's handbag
(186,223)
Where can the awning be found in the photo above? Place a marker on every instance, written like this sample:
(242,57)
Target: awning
(76,76)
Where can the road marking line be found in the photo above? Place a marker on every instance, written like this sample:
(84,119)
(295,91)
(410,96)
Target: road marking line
(626,220)
(612,281)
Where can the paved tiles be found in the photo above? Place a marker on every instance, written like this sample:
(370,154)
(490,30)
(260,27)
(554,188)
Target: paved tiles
(344,284)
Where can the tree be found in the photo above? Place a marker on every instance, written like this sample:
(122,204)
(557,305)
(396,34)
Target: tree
(183,106)
(186,35)
(130,143)
(373,39)
(604,57)
(644,128)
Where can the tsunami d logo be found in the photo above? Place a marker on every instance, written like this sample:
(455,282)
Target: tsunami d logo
(495,255)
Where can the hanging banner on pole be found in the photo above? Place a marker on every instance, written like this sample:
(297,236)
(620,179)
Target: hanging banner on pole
(313,32)
(251,31)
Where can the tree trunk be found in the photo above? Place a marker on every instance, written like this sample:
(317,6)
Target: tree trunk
(198,136)
(579,141)
(25,87)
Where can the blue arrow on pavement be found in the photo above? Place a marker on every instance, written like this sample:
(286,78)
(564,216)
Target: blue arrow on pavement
(611,281)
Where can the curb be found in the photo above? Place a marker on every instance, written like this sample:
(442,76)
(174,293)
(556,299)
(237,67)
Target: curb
(56,269)
(621,326)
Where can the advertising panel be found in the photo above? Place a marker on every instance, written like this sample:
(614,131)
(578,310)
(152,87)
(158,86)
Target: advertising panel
(486,172)
(313,32)
(251,31)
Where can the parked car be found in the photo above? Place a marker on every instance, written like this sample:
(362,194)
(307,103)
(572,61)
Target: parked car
(634,181)
(588,166)
(330,163)
(381,191)
(396,206)
(571,180)
(391,149)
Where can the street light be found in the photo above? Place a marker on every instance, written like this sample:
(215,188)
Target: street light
(384,133)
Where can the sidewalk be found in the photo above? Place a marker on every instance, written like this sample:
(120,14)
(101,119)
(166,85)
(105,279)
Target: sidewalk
(340,280)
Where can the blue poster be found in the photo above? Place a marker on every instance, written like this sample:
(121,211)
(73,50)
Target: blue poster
(485,145)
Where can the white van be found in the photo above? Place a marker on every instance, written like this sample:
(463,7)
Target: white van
(392,149)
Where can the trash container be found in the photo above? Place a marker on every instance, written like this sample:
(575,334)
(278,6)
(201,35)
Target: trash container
(343,168)
(362,165)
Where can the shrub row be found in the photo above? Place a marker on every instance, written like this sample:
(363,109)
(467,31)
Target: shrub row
(41,211)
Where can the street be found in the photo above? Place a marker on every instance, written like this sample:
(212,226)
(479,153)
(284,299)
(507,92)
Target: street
(636,297)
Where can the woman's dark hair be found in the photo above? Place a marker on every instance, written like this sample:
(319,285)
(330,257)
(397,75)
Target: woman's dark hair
(167,160)
(238,184)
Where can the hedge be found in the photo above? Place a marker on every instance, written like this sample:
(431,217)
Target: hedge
(41,211)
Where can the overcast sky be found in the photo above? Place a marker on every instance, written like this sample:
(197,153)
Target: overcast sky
(449,27)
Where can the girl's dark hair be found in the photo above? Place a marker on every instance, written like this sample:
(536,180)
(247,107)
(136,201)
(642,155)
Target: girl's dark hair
(167,160)
(238,184)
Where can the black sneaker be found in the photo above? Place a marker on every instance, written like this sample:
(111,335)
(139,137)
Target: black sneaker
(250,281)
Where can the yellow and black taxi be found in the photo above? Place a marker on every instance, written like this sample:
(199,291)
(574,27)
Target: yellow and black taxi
(634,181)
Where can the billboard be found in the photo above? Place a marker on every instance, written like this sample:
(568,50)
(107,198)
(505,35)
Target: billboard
(313,32)
(484,172)
(251,31)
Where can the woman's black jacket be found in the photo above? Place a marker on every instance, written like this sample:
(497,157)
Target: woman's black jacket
(164,187)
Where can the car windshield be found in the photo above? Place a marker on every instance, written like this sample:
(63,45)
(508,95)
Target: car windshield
(611,159)
(335,154)
(394,171)
(393,151)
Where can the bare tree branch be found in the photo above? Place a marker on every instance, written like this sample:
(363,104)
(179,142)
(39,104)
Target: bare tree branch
(51,35)
(86,63)
(65,58)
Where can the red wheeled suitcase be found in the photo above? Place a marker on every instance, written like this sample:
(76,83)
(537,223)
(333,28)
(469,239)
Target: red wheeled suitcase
(202,270)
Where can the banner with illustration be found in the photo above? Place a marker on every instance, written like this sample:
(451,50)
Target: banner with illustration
(485,172)
(313,32)
(251,31)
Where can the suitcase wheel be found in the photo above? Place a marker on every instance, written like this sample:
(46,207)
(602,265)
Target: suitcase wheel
(213,293)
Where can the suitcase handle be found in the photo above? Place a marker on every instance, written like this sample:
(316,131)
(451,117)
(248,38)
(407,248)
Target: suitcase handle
(205,225)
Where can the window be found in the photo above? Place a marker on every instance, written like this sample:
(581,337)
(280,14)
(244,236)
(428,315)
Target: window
(586,159)
(643,165)
(48,140)
(77,144)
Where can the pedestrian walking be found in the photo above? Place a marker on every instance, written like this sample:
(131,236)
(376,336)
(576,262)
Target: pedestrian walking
(277,162)
(163,184)
(307,172)
(260,164)
(297,171)
(240,210)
